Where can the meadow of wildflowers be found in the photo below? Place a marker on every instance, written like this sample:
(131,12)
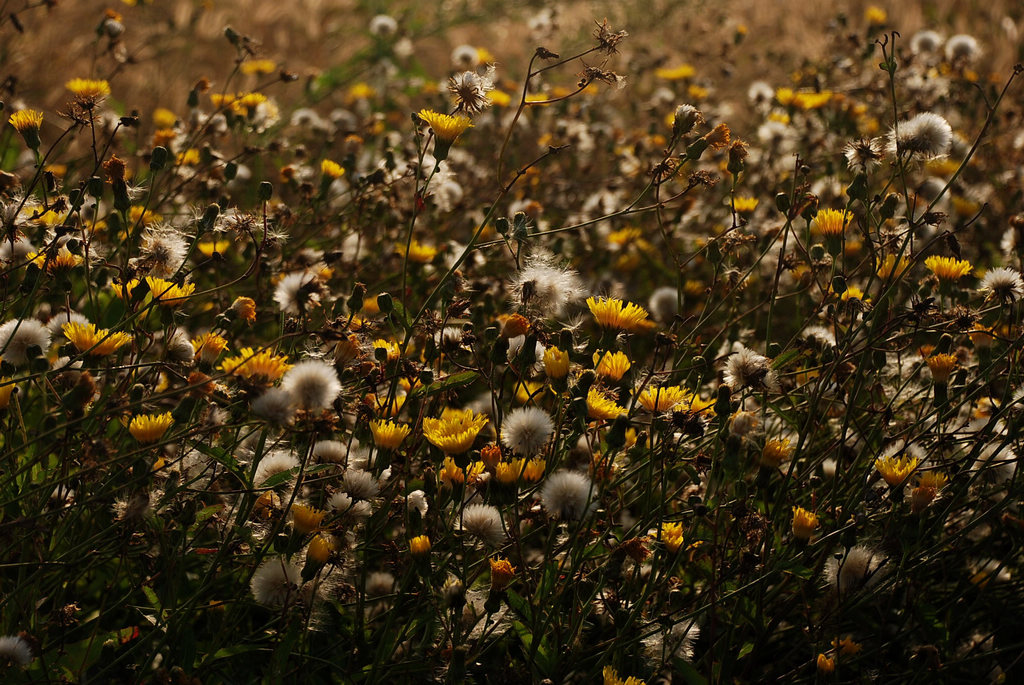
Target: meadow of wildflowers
(561,365)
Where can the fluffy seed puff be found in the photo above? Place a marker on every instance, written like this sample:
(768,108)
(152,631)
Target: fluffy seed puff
(748,369)
(15,651)
(276,582)
(297,291)
(18,336)
(926,136)
(314,384)
(859,567)
(483,522)
(567,495)
(544,287)
(526,430)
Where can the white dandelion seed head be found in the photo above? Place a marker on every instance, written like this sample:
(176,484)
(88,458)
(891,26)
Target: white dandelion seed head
(760,93)
(675,642)
(179,348)
(15,650)
(17,336)
(277,461)
(313,383)
(526,430)
(926,135)
(567,495)
(297,291)
(1003,283)
(360,484)
(329,451)
(164,250)
(383,26)
(275,406)
(483,522)
(465,57)
(16,251)
(859,567)
(925,41)
(379,583)
(276,582)
(864,154)
(963,47)
(469,89)
(664,303)
(748,369)
(544,287)
(417,500)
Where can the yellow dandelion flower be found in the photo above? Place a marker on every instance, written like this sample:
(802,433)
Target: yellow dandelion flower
(331,169)
(244,103)
(928,485)
(420,253)
(445,127)
(97,342)
(776,452)
(672,536)
(534,470)
(88,89)
(27,122)
(600,406)
(830,222)
(189,157)
(556,363)
(502,573)
(143,216)
(149,428)
(450,474)
(164,118)
(245,307)
(508,472)
(7,388)
(208,248)
(63,260)
(514,326)
(941,366)
(361,91)
(661,399)
(388,434)
(209,346)
(499,98)
(611,365)
(613,313)
(262,367)
(528,391)
(320,548)
(890,268)
(306,519)
(895,470)
(875,15)
(391,348)
(785,96)
(948,268)
(804,523)
(419,546)
(808,101)
(258,66)
(455,431)
(169,293)
(676,73)
(745,205)
(826,665)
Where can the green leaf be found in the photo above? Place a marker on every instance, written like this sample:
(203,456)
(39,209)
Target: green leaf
(455,380)
(785,358)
